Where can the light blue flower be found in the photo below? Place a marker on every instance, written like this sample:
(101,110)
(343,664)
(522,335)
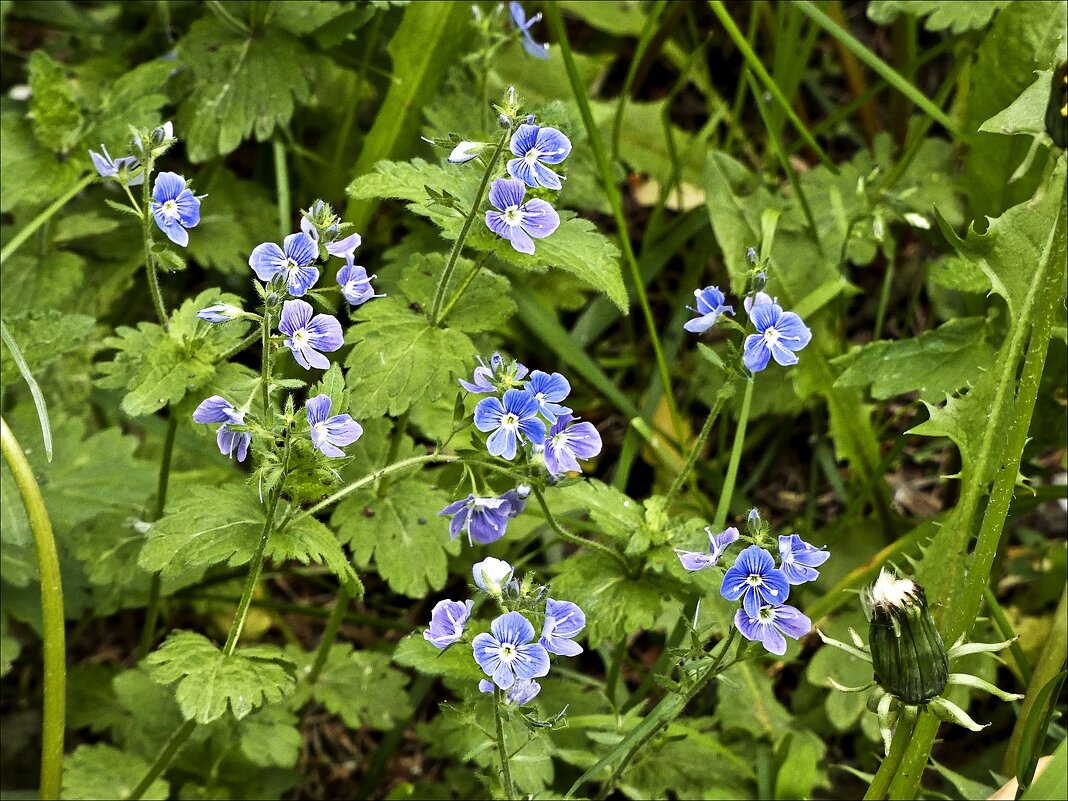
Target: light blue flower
(523,25)
(780,334)
(511,421)
(497,374)
(217,409)
(523,691)
(293,262)
(447,621)
(717,546)
(548,391)
(120,169)
(755,579)
(518,222)
(307,335)
(508,653)
(484,519)
(356,283)
(536,147)
(567,443)
(220,313)
(799,560)
(710,305)
(174,207)
(327,433)
(769,623)
(564,621)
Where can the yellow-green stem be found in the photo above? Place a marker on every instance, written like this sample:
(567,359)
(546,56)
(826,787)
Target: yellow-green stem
(53,625)
(725,495)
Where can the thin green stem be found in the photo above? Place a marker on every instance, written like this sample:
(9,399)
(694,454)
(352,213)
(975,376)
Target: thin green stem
(729,481)
(163,760)
(333,625)
(265,374)
(152,613)
(552,12)
(446,275)
(281,182)
(506,773)
(52,619)
(151,273)
(884,293)
(28,230)
(240,346)
(881,783)
(648,31)
(575,539)
(753,61)
(464,284)
(695,451)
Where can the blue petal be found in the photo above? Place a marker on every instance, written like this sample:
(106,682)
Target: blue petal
(213,410)
(765,315)
(553,146)
(756,352)
(267,260)
(794,333)
(188,209)
(507,192)
(296,314)
(524,138)
(325,333)
(532,661)
(513,628)
(168,186)
(523,170)
(318,409)
(694,560)
(488,414)
(539,218)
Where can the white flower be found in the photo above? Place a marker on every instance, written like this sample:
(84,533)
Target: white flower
(492,574)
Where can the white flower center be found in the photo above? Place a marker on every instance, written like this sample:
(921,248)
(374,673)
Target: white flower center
(170,209)
(540,397)
(320,428)
(754,579)
(508,652)
(291,266)
(510,421)
(532,156)
(301,337)
(766,614)
(771,336)
(513,216)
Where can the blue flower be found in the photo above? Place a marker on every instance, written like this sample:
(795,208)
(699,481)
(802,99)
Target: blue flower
(511,421)
(509,652)
(174,207)
(294,263)
(563,622)
(523,25)
(717,545)
(492,575)
(447,621)
(516,499)
(217,409)
(536,147)
(769,623)
(517,221)
(568,443)
(755,579)
(308,335)
(548,390)
(220,313)
(799,559)
(781,333)
(523,691)
(709,306)
(484,519)
(327,432)
(355,283)
(487,378)
(120,169)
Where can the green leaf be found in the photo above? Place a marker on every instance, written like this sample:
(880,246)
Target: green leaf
(399,359)
(485,304)
(576,246)
(936,363)
(360,687)
(158,367)
(798,756)
(398,529)
(32,173)
(43,337)
(216,525)
(940,16)
(57,119)
(271,738)
(456,662)
(235,217)
(1053,782)
(9,647)
(243,85)
(209,682)
(102,771)
(1026,114)
(430,38)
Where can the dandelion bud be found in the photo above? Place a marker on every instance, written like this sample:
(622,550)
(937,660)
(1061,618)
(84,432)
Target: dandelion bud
(908,656)
(1057,108)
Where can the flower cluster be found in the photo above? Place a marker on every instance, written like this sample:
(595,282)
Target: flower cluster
(762,588)
(780,334)
(525,410)
(512,653)
(174,206)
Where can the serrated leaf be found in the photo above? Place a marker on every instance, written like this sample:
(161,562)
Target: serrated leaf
(158,367)
(209,682)
(938,16)
(576,246)
(271,738)
(400,532)
(217,525)
(456,662)
(102,771)
(235,218)
(936,363)
(360,687)
(244,85)
(399,359)
(964,418)
(485,304)
(57,119)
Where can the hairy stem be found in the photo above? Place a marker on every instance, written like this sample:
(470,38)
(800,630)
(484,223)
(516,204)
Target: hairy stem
(152,613)
(695,451)
(506,773)
(265,374)
(575,539)
(150,260)
(446,275)
(53,624)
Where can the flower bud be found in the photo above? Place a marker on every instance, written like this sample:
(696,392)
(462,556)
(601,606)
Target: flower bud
(1057,108)
(908,656)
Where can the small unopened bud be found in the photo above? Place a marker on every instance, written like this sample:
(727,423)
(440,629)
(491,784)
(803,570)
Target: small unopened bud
(753,522)
(908,656)
(220,313)
(751,255)
(492,575)
(531,118)
(504,120)
(465,151)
